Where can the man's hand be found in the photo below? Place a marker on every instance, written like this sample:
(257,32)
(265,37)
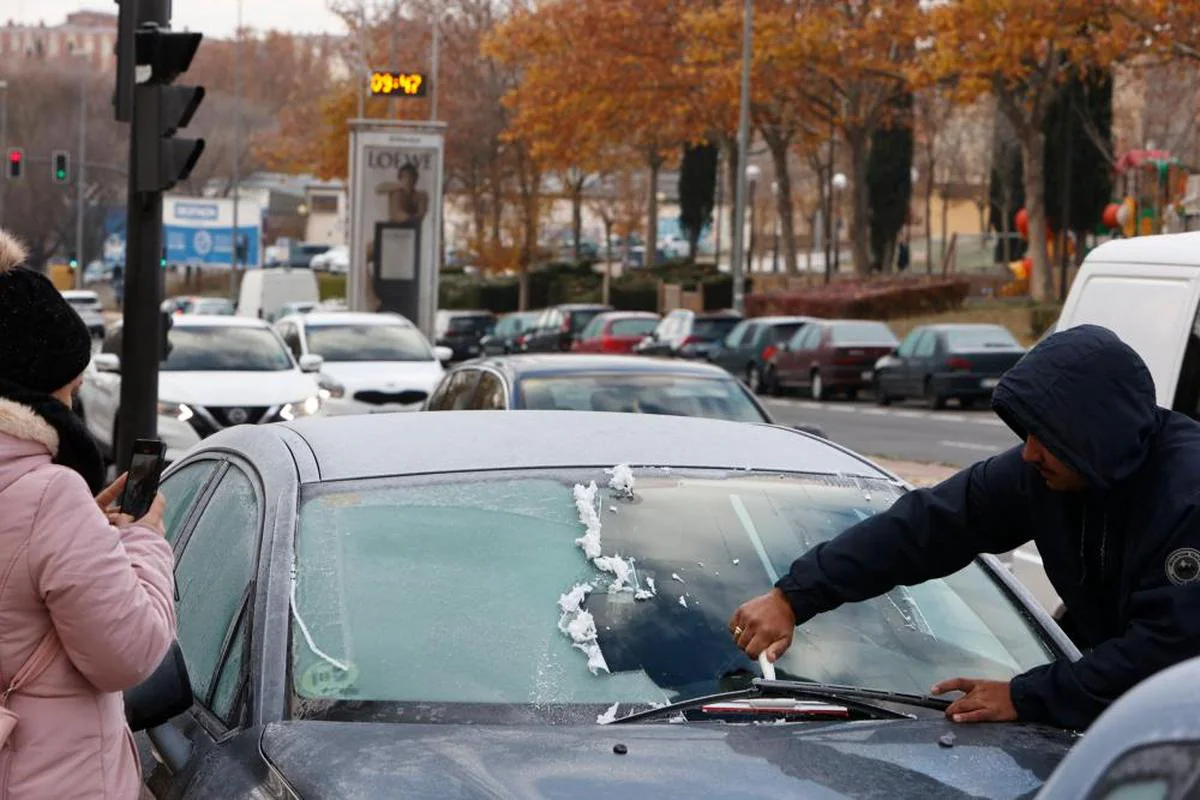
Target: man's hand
(764,624)
(983,701)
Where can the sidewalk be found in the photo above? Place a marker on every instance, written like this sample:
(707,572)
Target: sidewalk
(915,473)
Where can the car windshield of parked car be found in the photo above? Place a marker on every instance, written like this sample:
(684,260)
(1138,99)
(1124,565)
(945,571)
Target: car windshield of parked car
(514,324)
(411,592)
(594,329)
(225,349)
(368,343)
(470,325)
(581,318)
(715,328)
(216,306)
(863,333)
(636,326)
(676,395)
(980,338)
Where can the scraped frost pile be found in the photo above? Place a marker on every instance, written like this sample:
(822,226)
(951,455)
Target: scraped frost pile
(575,622)
(608,716)
(580,627)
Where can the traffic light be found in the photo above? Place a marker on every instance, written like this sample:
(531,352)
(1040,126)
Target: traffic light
(73,261)
(62,166)
(16,163)
(162,261)
(161,109)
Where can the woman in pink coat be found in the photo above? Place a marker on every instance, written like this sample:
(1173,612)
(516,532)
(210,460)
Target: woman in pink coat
(102,582)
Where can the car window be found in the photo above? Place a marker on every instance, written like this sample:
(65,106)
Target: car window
(906,348)
(1187,390)
(291,337)
(385,567)
(225,349)
(777,334)
(926,345)
(734,339)
(714,327)
(212,574)
(594,329)
(180,489)
(676,395)
(633,327)
(750,335)
(982,338)
(863,333)
(806,337)
(231,677)
(1152,772)
(364,343)
(456,390)
(580,318)
(490,394)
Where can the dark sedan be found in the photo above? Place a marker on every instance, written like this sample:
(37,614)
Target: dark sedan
(749,347)
(558,327)
(447,605)
(686,334)
(506,337)
(463,331)
(944,362)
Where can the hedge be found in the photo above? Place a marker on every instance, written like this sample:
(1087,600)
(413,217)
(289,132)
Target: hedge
(862,300)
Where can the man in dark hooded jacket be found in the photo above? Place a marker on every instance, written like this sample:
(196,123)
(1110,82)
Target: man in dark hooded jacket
(1108,486)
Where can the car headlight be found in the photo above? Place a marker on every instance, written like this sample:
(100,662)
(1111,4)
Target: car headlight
(180,411)
(301,408)
(330,387)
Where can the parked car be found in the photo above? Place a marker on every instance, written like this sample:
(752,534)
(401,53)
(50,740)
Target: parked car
(559,326)
(401,606)
(944,362)
(220,372)
(1143,747)
(505,338)
(559,382)
(265,292)
(615,332)
(87,304)
(828,357)
(1147,290)
(463,332)
(370,363)
(686,334)
(335,260)
(749,347)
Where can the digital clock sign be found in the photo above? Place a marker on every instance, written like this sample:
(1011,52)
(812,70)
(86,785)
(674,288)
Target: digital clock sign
(398,84)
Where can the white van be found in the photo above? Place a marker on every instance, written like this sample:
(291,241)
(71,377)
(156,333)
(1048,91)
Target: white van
(266,291)
(1146,290)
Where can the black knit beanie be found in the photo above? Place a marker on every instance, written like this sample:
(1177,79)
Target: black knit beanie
(44,344)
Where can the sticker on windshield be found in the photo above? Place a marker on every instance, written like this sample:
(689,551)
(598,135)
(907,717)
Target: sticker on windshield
(1183,566)
(326,680)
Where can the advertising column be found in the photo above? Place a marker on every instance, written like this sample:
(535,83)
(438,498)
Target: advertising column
(395,217)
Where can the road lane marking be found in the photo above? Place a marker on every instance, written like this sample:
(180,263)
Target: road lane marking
(983,448)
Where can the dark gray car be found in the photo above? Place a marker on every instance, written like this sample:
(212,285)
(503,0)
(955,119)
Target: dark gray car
(749,347)
(947,362)
(446,605)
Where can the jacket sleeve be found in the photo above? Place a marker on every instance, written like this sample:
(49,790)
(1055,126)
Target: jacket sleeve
(1164,629)
(926,534)
(109,592)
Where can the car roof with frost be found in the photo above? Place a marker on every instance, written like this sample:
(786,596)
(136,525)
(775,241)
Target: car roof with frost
(418,443)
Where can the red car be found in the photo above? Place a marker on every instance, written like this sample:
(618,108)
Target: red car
(615,332)
(828,356)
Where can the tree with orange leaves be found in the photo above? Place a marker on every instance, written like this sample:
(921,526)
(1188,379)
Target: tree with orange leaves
(1021,51)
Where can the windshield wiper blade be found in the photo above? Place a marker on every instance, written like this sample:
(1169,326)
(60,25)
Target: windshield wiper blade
(860,701)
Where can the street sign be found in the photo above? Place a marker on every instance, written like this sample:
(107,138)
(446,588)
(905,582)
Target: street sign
(398,84)
(396,179)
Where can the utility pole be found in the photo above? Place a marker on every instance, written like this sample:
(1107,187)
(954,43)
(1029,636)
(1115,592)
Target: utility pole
(149,58)
(436,58)
(3,142)
(736,269)
(80,178)
(234,264)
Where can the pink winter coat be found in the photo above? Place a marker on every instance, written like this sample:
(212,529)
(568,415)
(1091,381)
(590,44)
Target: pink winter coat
(109,595)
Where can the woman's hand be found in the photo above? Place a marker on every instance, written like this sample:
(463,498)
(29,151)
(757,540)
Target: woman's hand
(109,496)
(107,499)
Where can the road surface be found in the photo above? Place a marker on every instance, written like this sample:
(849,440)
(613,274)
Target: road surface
(903,432)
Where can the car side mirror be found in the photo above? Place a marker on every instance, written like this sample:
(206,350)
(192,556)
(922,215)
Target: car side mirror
(443,354)
(107,362)
(311,363)
(166,694)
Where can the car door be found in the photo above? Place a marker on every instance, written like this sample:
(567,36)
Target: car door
(216,545)
(800,354)
(921,363)
(892,372)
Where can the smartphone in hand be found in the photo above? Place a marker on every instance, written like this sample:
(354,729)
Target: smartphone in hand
(145,470)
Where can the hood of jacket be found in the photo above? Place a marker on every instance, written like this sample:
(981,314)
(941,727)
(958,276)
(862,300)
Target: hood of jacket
(1089,398)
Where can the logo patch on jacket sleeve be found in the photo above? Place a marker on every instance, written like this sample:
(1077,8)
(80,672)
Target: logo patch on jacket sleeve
(1183,566)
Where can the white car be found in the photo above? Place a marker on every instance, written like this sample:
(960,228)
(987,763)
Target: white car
(371,363)
(87,304)
(336,260)
(220,372)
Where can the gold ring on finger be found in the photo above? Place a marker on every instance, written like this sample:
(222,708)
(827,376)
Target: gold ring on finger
(737,631)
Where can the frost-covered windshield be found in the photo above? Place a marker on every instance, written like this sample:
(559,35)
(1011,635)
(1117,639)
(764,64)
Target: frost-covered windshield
(553,591)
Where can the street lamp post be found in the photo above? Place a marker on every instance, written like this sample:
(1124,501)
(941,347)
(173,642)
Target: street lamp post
(753,172)
(736,266)
(775,227)
(81,179)
(3,141)
(839,184)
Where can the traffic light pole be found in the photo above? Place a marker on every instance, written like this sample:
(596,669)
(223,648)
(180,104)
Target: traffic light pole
(80,180)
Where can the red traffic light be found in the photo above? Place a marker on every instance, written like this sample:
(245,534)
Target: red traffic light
(15,156)
(16,162)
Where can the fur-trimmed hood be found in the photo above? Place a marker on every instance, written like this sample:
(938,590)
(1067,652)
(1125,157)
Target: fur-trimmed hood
(12,252)
(22,422)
